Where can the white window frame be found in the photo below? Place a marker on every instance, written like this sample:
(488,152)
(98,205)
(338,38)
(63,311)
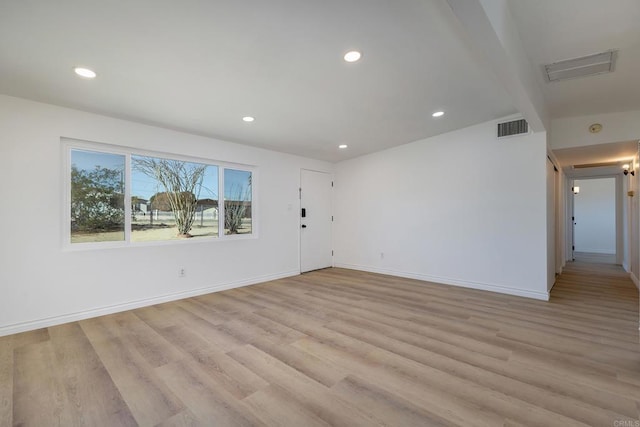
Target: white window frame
(69,144)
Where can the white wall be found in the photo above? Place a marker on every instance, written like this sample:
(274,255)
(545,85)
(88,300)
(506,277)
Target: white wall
(493,35)
(567,183)
(551,224)
(619,218)
(595,216)
(633,184)
(626,223)
(561,220)
(40,284)
(527,94)
(460,208)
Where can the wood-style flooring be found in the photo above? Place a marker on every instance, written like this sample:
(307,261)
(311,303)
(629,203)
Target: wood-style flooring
(343,348)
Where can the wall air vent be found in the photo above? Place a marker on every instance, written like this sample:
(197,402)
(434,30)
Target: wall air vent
(513,128)
(590,65)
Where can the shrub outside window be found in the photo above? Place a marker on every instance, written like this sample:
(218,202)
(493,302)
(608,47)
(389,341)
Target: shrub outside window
(97,197)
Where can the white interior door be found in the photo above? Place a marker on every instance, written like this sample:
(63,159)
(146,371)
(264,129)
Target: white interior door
(315,220)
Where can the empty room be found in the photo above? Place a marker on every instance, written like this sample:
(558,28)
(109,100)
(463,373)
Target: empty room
(319,213)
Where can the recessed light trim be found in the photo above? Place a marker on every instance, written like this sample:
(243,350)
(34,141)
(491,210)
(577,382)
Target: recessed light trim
(85,72)
(438,114)
(342,146)
(248,119)
(352,56)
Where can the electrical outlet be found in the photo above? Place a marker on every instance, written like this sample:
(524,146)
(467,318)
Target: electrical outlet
(182,272)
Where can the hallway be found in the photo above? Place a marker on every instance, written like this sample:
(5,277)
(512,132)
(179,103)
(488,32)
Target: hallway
(597,303)
(587,281)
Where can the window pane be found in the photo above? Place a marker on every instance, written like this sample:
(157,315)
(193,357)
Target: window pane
(172,199)
(237,202)
(97,196)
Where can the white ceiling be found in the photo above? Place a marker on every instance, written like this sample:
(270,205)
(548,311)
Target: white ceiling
(554,30)
(621,152)
(616,152)
(201,65)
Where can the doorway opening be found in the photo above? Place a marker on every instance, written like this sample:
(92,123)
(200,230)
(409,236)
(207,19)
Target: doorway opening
(595,225)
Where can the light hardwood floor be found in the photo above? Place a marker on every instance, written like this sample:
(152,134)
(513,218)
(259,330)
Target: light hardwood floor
(340,347)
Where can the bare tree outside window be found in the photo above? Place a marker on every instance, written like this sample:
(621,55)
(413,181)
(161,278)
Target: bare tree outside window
(237,202)
(182,183)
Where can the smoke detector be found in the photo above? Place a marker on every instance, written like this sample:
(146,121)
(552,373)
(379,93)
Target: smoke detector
(595,128)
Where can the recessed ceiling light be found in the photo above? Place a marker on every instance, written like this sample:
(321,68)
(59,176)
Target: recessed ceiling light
(342,146)
(248,119)
(85,72)
(438,114)
(352,56)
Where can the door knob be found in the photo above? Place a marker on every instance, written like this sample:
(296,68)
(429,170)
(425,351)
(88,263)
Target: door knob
(304,226)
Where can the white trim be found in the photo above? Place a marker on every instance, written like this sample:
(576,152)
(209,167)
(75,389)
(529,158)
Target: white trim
(127,197)
(635,280)
(596,251)
(544,296)
(84,144)
(618,214)
(73,317)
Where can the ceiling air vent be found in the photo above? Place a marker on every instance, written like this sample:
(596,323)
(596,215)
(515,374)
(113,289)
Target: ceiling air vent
(512,128)
(590,65)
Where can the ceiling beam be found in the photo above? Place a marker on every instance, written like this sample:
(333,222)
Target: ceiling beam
(490,28)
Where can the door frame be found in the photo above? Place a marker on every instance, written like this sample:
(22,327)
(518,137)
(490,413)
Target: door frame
(619,206)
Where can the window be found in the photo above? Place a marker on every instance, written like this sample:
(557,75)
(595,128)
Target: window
(168,198)
(172,199)
(237,201)
(97,197)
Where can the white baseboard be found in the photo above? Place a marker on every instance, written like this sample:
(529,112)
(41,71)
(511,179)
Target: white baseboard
(101,311)
(635,280)
(544,296)
(597,251)
(625,266)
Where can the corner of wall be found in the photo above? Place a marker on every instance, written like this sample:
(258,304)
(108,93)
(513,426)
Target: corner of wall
(635,280)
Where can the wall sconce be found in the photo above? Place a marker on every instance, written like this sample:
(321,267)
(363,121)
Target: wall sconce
(627,171)
(575,190)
